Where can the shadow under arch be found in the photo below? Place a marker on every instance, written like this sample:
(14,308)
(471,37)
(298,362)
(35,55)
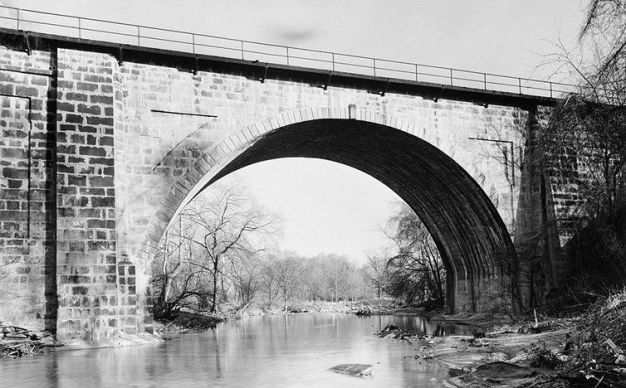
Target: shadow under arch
(474,243)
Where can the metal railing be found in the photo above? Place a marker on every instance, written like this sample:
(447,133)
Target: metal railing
(202,44)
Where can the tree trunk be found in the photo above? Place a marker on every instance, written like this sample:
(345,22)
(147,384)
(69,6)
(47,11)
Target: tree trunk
(214,303)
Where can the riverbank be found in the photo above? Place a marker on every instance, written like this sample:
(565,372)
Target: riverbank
(581,351)
(18,342)
(184,322)
(375,306)
(497,358)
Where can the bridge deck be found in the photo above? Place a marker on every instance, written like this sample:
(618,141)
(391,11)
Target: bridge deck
(196,52)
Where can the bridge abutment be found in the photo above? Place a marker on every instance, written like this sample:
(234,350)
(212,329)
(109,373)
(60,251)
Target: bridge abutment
(545,206)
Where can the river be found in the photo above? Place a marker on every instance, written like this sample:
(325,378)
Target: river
(267,351)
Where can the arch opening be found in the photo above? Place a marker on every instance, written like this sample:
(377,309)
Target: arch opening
(475,246)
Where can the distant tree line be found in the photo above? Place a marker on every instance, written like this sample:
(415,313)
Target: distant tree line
(288,277)
(219,252)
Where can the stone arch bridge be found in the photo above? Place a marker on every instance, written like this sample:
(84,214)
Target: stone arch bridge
(98,154)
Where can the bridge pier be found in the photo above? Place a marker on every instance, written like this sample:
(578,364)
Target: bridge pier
(545,208)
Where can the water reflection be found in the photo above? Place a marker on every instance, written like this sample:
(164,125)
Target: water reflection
(433,328)
(284,351)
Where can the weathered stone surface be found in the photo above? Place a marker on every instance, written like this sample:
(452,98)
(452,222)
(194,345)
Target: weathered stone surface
(92,171)
(26,205)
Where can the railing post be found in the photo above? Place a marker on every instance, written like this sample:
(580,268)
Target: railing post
(287,49)
(519,84)
(18,19)
(138,36)
(374,61)
(416,72)
(333,54)
(485,80)
(80,35)
(242,56)
(451,78)
(193,43)
(550,89)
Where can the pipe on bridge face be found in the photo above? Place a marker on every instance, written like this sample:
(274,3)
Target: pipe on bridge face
(474,243)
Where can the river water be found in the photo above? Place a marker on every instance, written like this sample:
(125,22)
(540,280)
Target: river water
(269,351)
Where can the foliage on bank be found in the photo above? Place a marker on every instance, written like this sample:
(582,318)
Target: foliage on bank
(412,270)
(583,154)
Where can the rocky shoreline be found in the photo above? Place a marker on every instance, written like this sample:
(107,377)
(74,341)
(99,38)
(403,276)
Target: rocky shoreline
(17,342)
(551,353)
(496,358)
(379,306)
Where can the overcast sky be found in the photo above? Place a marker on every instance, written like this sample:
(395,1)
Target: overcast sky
(327,207)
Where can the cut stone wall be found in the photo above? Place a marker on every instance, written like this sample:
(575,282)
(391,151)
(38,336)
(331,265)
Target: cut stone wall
(159,147)
(86,233)
(27,245)
(98,155)
(163,146)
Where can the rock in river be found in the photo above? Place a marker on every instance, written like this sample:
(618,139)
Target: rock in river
(499,369)
(358,370)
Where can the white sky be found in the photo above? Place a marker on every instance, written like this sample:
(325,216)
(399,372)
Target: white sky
(327,207)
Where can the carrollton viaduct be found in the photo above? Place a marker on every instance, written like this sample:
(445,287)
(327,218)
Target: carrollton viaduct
(102,143)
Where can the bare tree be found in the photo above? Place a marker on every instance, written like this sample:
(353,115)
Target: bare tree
(288,271)
(415,271)
(222,230)
(583,149)
(245,274)
(378,272)
(176,284)
(269,281)
(605,27)
(587,132)
(211,245)
(332,277)
(324,277)
(315,284)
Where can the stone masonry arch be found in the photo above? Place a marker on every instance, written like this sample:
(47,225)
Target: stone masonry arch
(414,162)
(102,145)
